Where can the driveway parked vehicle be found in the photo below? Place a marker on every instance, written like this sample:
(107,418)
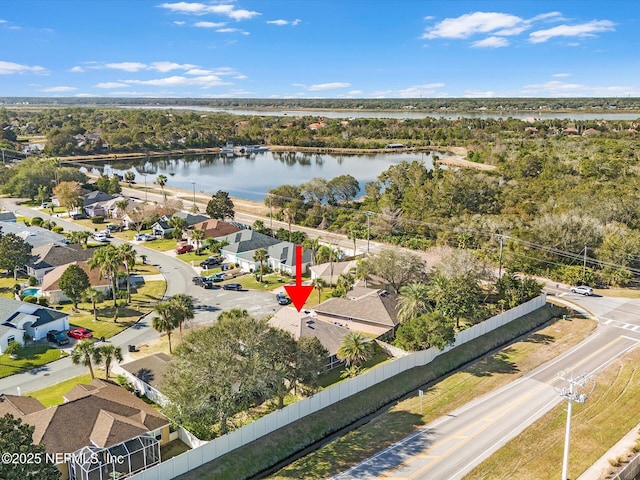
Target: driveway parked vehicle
(232,286)
(80,333)
(79,216)
(197,280)
(112,227)
(210,262)
(583,290)
(209,285)
(57,337)
(184,249)
(283,299)
(143,237)
(101,237)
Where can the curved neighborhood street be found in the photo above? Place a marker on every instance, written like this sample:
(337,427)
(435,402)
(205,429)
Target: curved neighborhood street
(451,446)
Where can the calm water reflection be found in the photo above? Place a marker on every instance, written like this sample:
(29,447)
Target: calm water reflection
(251,176)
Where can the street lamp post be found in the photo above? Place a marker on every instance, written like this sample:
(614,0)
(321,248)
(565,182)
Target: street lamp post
(193,184)
(571,396)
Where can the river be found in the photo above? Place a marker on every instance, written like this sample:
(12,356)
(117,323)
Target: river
(250,177)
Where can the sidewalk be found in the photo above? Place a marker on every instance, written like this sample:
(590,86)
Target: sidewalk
(599,469)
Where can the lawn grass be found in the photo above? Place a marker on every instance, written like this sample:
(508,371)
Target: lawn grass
(608,414)
(28,358)
(404,417)
(270,282)
(172,449)
(53,395)
(142,302)
(7,282)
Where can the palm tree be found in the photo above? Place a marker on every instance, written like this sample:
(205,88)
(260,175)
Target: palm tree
(183,308)
(355,349)
(167,320)
(319,285)
(83,353)
(162,181)
(107,259)
(121,206)
(127,256)
(108,353)
(179,225)
(261,255)
(94,296)
(289,215)
(197,235)
(329,254)
(363,270)
(413,301)
(344,283)
(312,244)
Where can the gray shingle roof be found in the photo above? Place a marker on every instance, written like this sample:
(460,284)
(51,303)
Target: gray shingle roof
(247,240)
(149,369)
(7,217)
(54,255)
(96,196)
(377,307)
(34,236)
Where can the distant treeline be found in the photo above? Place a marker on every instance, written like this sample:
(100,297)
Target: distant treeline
(420,104)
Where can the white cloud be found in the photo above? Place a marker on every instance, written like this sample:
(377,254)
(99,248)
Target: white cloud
(472,23)
(415,91)
(282,22)
(232,30)
(561,75)
(205,81)
(76,69)
(588,29)
(168,66)
(84,95)
(59,89)
(355,92)
(195,8)
(179,22)
(127,66)
(10,68)
(479,94)
(556,88)
(209,24)
(491,42)
(111,85)
(328,86)
(198,71)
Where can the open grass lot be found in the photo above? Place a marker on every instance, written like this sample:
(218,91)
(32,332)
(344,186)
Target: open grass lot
(53,395)
(142,302)
(6,284)
(404,417)
(608,414)
(28,358)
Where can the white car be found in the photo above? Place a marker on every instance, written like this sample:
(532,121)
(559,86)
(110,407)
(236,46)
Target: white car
(101,237)
(582,290)
(143,237)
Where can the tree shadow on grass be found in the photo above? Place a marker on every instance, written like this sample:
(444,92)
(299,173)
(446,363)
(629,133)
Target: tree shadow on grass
(540,338)
(495,364)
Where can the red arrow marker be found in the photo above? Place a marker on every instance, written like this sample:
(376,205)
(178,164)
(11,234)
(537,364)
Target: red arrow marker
(298,293)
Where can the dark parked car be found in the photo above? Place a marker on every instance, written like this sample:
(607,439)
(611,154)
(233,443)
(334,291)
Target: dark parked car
(112,227)
(57,337)
(283,299)
(232,286)
(79,216)
(209,285)
(197,280)
(210,262)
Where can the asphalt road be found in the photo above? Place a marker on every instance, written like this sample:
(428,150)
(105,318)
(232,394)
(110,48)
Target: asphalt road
(178,274)
(451,446)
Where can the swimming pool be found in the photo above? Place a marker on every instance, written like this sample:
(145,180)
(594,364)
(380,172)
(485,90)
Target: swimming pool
(31,292)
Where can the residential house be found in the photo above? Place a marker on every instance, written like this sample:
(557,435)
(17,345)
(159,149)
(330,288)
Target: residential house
(214,228)
(7,217)
(33,235)
(301,324)
(110,432)
(242,242)
(50,287)
(281,258)
(50,256)
(366,310)
(330,272)
(96,197)
(20,318)
(146,375)
(164,229)
(95,210)
(570,131)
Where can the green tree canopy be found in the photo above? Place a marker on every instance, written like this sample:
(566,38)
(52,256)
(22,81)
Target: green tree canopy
(220,206)
(73,282)
(424,331)
(14,253)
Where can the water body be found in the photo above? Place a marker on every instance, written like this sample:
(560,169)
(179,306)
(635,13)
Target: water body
(613,115)
(250,177)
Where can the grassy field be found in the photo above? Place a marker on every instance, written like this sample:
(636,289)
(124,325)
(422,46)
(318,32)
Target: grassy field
(53,395)
(608,414)
(28,358)
(405,416)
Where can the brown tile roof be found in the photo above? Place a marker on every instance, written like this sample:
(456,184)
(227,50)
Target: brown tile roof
(149,369)
(363,304)
(50,282)
(216,228)
(100,413)
(19,406)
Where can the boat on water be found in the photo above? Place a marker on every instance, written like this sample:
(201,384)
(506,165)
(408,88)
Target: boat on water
(228,148)
(247,149)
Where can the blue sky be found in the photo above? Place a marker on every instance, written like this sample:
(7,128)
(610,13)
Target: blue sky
(319,48)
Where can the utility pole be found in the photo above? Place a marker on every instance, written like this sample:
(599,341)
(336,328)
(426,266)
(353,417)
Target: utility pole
(584,265)
(572,396)
(500,260)
(368,213)
(270,214)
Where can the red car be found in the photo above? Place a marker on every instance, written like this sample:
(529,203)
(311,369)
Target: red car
(184,249)
(80,333)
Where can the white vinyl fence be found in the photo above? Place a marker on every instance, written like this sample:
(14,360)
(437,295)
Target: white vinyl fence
(280,418)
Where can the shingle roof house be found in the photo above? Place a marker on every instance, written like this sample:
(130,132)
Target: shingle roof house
(100,415)
(51,282)
(95,197)
(146,374)
(245,241)
(33,235)
(7,217)
(18,318)
(163,227)
(53,255)
(216,228)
